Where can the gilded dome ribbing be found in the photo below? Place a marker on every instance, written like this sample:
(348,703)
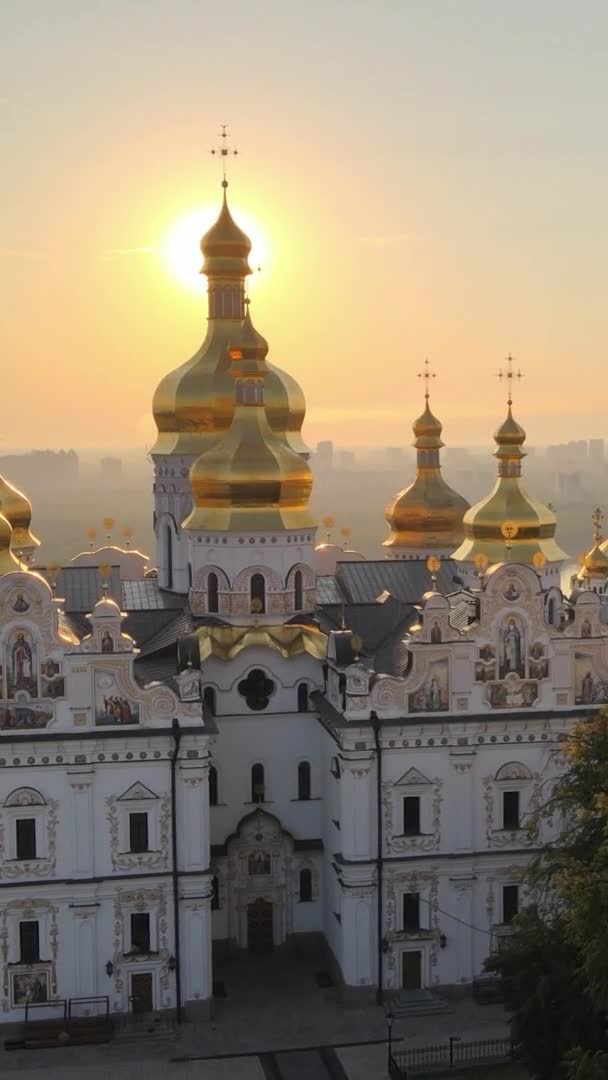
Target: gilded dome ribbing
(193,405)
(427,515)
(533,524)
(17,509)
(251,479)
(8,562)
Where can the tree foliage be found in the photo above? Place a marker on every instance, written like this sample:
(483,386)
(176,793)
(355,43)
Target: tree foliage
(555,965)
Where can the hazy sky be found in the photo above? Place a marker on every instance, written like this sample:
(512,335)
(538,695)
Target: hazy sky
(429,177)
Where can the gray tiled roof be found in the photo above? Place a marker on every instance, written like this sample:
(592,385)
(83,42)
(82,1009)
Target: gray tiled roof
(80,586)
(405,579)
(146,596)
(328,590)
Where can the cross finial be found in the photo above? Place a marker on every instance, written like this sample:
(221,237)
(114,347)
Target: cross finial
(427,375)
(597,518)
(508,374)
(224,150)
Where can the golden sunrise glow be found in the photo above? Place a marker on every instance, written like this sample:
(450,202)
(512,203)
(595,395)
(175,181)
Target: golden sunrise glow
(181,252)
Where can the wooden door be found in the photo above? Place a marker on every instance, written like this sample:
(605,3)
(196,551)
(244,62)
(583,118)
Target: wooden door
(412,971)
(141,993)
(259,926)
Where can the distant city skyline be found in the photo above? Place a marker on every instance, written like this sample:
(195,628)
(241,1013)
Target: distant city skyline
(424,178)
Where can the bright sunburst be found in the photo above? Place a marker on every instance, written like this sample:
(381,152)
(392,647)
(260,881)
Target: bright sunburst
(181,250)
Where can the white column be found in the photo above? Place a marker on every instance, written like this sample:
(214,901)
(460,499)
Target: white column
(83,853)
(85,952)
(357,812)
(193,815)
(358,934)
(196,950)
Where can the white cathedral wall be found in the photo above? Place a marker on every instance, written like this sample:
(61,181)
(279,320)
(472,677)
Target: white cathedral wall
(286,672)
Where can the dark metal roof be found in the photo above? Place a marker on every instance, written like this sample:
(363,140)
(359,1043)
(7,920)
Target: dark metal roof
(328,590)
(155,669)
(177,626)
(406,579)
(80,586)
(145,595)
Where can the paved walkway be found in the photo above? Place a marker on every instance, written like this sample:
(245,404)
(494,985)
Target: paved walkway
(275,1023)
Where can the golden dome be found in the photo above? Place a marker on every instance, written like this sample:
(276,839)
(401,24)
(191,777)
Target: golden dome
(251,479)
(595,563)
(427,515)
(17,509)
(8,562)
(193,405)
(533,524)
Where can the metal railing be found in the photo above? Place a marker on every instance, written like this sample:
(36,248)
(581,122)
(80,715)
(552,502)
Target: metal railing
(454,1054)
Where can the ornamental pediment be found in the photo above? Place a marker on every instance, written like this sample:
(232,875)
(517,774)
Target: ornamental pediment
(137,791)
(411,777)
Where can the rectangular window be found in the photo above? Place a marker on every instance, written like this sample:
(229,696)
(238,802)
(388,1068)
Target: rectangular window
(29,942)
(510,809)
(510,903)
(26,838)
(411,815)
(138,832)
(140,932)
(411,911)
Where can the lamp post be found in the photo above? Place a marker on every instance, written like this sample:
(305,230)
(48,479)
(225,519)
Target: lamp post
(453,1039)
(389,1027)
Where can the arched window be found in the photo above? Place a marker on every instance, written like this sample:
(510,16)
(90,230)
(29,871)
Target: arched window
(257,783)
(298,591)
(215,893)
(305,886)
(212,593)
(551,611)
(189,575)
(169,555)
(209,699)
(304,780)
(303,697)
(257,589)
(213,795)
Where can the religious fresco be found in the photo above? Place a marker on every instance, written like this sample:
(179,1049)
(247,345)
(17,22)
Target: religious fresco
(485,665)
(24,717)
(434,694)
(512,693)
(107,642)
(538,663)
(588,688)
(51,679)
(512,657)
(259,863)
(20,604)
(21,664)
(111,705)
(29,987)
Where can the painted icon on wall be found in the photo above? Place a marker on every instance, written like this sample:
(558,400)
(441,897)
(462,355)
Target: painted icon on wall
(51,679)
(21,664)
(589,689)
(30,987)
(434,694)
(512,658)
(112,706)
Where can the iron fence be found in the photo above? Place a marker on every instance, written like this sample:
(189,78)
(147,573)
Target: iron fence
(454,1054)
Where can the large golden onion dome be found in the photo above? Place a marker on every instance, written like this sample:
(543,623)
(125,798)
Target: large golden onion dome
(425,517)
(251,479)
(17,509)
(8,562)
(508,515)
(595,562)
(193,405)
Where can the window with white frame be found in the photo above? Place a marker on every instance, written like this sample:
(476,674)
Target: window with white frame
(513,785)
(25,814)
(412,805)
(138,819)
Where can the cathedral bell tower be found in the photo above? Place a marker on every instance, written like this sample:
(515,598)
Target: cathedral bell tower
(251,534)
(193,405)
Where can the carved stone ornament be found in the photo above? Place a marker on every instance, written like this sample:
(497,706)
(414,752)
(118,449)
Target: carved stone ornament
(395,845)
(141,860)
(41,867)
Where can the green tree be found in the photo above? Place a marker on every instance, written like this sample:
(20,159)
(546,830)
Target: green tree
(555,965)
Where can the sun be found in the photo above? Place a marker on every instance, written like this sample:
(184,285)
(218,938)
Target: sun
(181,252)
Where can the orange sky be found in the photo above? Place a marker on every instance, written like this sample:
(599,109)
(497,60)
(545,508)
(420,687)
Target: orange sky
(429,177)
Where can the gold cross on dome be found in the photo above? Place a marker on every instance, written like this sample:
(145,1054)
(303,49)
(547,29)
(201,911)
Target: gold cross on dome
(508,374)
(427,375)
(224,150)
(597,518)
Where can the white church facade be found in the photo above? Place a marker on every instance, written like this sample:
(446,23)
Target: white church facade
(235,751)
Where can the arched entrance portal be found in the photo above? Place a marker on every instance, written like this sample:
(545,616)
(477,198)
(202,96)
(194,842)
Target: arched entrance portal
(261,878)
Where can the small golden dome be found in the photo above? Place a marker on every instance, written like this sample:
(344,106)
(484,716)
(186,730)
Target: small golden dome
(225,247)
(17,509)
(8,562)
(533,524)
(251,479)
(193,405)
(595,563)
(427,515)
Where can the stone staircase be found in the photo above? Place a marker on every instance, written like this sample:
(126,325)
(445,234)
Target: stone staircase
(406,1004)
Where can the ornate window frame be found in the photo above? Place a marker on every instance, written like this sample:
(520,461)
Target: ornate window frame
(430,793)
(139,799)
(512,776)
(28,802)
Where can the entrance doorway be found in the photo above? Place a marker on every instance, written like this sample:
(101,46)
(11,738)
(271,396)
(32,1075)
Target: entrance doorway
(411,971)
(260,938)
(141,993)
